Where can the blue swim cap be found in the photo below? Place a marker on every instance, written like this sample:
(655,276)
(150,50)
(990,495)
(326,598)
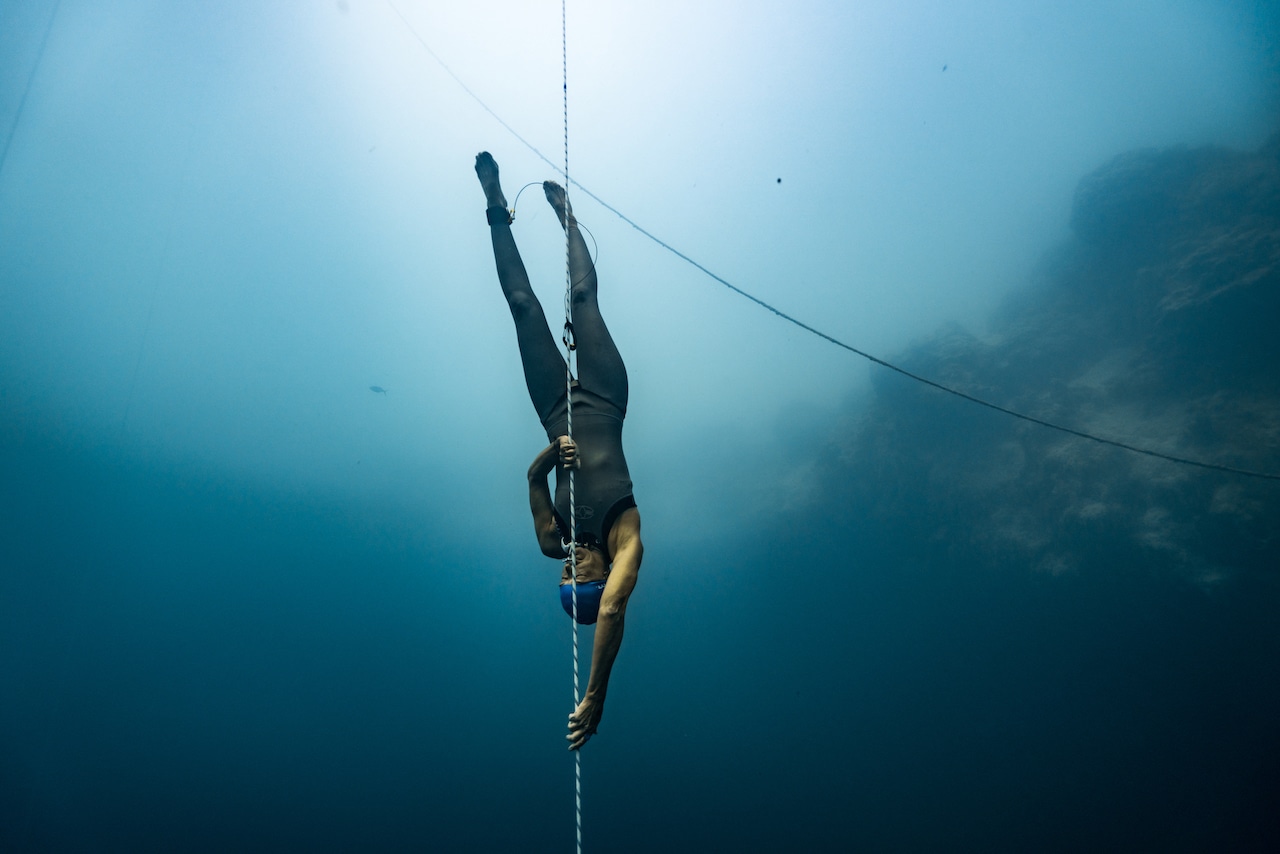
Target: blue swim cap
(589,593)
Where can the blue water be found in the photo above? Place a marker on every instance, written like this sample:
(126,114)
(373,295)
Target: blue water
(193,665)
(267,576)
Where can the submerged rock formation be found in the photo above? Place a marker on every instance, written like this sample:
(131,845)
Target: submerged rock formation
(1154,326)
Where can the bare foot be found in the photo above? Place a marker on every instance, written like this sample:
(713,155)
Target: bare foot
(487,172)
(558,200)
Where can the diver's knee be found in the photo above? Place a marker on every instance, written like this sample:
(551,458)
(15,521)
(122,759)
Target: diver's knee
(582,293)
(522,304)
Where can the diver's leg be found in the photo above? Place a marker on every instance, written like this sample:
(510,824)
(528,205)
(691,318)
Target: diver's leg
(600,367)
(543,365)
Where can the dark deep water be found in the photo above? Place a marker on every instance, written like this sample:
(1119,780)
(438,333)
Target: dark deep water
(897,623)
(195,664)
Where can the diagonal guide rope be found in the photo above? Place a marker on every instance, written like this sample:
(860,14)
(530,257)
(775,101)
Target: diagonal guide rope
(31,76)
(810,329)
(568,397)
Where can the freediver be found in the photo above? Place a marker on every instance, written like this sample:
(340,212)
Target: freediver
(608,547)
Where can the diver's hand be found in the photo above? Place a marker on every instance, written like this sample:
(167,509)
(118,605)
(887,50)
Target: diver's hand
(584,721)
(568,452)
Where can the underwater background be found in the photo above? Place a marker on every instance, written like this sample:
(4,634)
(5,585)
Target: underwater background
(249,603)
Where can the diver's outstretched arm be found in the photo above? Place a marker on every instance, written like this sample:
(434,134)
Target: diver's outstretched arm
(628,551)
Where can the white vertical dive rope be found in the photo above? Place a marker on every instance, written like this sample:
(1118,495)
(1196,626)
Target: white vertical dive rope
(568,392)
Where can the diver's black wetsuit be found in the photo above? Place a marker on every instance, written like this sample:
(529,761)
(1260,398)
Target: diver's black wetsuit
(602,483)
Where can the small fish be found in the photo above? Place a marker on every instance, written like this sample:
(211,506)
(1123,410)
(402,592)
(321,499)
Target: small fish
(944,68)
(377,389)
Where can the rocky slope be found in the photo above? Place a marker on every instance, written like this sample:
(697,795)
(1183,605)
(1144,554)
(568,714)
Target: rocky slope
(1155,326)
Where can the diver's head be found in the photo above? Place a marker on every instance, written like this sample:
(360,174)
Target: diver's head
(592,565)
